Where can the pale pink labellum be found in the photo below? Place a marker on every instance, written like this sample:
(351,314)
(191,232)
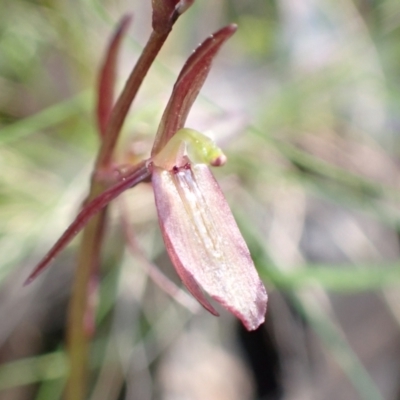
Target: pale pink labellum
(205,244)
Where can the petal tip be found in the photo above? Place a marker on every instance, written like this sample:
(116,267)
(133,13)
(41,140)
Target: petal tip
(254,316)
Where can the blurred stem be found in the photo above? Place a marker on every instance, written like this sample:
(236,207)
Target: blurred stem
(77,337)
(89,251)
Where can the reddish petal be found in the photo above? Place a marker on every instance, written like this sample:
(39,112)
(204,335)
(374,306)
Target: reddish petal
(187,278)
(188,85)
(205,244)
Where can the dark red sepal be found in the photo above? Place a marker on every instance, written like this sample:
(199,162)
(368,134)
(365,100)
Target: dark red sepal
(105,92)
(88,211)
(188,85)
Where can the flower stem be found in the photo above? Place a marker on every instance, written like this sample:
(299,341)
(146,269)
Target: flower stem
(77,337)
(129,92)
(89,251)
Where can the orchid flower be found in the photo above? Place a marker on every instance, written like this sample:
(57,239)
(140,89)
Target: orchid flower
(199,231)
(198,228)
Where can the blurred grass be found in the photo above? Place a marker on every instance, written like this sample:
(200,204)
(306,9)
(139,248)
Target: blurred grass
(330,71)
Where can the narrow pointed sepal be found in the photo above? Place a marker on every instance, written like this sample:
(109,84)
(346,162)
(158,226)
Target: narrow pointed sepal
(205,244)
(89,210)
(105,91)
(188,85)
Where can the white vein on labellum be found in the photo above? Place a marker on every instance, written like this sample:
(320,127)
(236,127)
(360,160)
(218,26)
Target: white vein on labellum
(199,231)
